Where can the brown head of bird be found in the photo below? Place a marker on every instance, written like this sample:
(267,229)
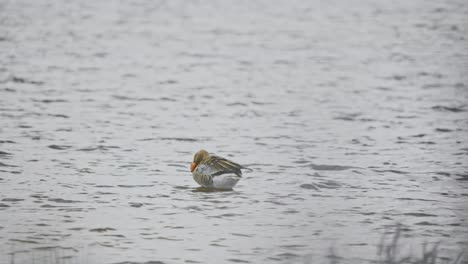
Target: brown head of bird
(199,157)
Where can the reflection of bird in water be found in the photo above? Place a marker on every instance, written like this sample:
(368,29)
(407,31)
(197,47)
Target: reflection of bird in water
(212,171)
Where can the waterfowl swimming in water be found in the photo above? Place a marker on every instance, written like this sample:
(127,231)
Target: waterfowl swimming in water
(213,171)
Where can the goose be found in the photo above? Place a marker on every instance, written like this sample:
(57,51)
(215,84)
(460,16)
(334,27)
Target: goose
(212,171)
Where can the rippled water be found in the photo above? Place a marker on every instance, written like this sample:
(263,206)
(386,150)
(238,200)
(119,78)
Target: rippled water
(351,114)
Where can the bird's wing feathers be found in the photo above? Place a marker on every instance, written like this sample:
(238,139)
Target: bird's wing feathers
(219,165)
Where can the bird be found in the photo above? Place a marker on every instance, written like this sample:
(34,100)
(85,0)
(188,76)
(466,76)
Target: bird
(212,171)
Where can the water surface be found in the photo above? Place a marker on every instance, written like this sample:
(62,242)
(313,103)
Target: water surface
(352,116)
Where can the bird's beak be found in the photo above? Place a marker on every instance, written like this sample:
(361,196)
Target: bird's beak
(192,168)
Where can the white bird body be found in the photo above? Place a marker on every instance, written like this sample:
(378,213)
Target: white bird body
(212,171)
(203,176)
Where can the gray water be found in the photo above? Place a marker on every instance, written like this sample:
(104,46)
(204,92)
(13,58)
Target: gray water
(352,115)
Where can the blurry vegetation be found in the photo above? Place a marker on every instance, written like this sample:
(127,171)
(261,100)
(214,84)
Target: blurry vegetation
(389,252)
(390,248)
